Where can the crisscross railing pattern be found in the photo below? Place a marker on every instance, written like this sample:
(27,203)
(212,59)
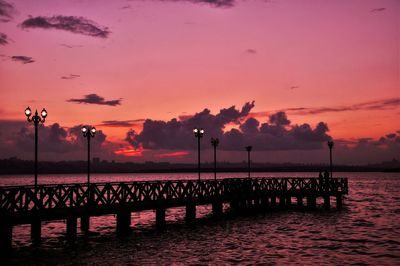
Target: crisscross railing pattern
(23,199)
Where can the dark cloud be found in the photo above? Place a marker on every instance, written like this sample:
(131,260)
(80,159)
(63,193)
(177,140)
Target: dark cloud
(278,134)
(378,9)
(53,139)
(126,7)
(71,46)
(95,99)
(177,134)
(73,24)
(294,87)
(7,11)
(215,3)
(3,39)
(70,76)
(23,59)
(391,136)
(279,118)
(385,104)
(121,123)
(251,51)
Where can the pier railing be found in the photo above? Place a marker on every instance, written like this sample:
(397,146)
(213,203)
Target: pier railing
(17,200)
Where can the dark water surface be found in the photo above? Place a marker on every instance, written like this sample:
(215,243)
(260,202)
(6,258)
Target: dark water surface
(365,232)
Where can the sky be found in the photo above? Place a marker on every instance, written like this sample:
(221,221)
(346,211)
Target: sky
(282,76)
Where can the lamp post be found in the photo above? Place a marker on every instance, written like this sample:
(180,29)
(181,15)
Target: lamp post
(88,132)
(198,133)
(248,149)
(330,145)
(36,119)
(214,143)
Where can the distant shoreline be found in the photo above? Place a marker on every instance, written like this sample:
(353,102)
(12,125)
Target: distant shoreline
(15,166)
(209,171)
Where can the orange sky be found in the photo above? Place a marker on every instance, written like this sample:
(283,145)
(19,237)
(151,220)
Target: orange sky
(165,59)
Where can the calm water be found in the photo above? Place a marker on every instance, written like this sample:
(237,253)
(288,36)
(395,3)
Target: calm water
(365,232)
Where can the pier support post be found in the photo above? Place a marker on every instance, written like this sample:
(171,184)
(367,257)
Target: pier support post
(5,236)
(273,201)
(288,201)
(327,202)
(217,209)
(299,201)
(311,202)
(71,228)
(282,202)
(85,223)
(123,221)
(264,203)
(234,205)
(339,201)
(190,212)
(36,231)
(160,217)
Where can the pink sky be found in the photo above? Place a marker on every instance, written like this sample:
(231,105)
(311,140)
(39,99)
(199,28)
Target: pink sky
(166,59)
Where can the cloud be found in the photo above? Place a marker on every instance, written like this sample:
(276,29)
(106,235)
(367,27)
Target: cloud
(385,104)
(178,154)
(54,140)
(277,134)
(96,99)
(251,51)
(378,9)
(121,123)
(215,3)
(79,25)
(71,76)
(3,39)
(23,59)
(177,134)
(7,11)
(71,46)
(279,118)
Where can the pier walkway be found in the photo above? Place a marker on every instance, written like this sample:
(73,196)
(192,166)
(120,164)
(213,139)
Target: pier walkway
(30,205)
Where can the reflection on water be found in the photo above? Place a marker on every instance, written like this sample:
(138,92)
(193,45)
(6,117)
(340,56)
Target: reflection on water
(365,232)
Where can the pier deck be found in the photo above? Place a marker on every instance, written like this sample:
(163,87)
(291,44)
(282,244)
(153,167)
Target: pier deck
(30,205)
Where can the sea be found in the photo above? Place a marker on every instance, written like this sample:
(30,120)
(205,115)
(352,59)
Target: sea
(366,231)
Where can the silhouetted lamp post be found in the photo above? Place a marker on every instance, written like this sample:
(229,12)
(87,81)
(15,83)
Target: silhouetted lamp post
(214,143)
(248,149)
(198,133)
(36,119)
(88,132)
(330,145)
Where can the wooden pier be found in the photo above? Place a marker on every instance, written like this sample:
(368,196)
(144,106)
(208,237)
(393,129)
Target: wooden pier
(30,205)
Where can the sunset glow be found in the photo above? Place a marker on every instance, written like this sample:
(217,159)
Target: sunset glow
(131,67)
